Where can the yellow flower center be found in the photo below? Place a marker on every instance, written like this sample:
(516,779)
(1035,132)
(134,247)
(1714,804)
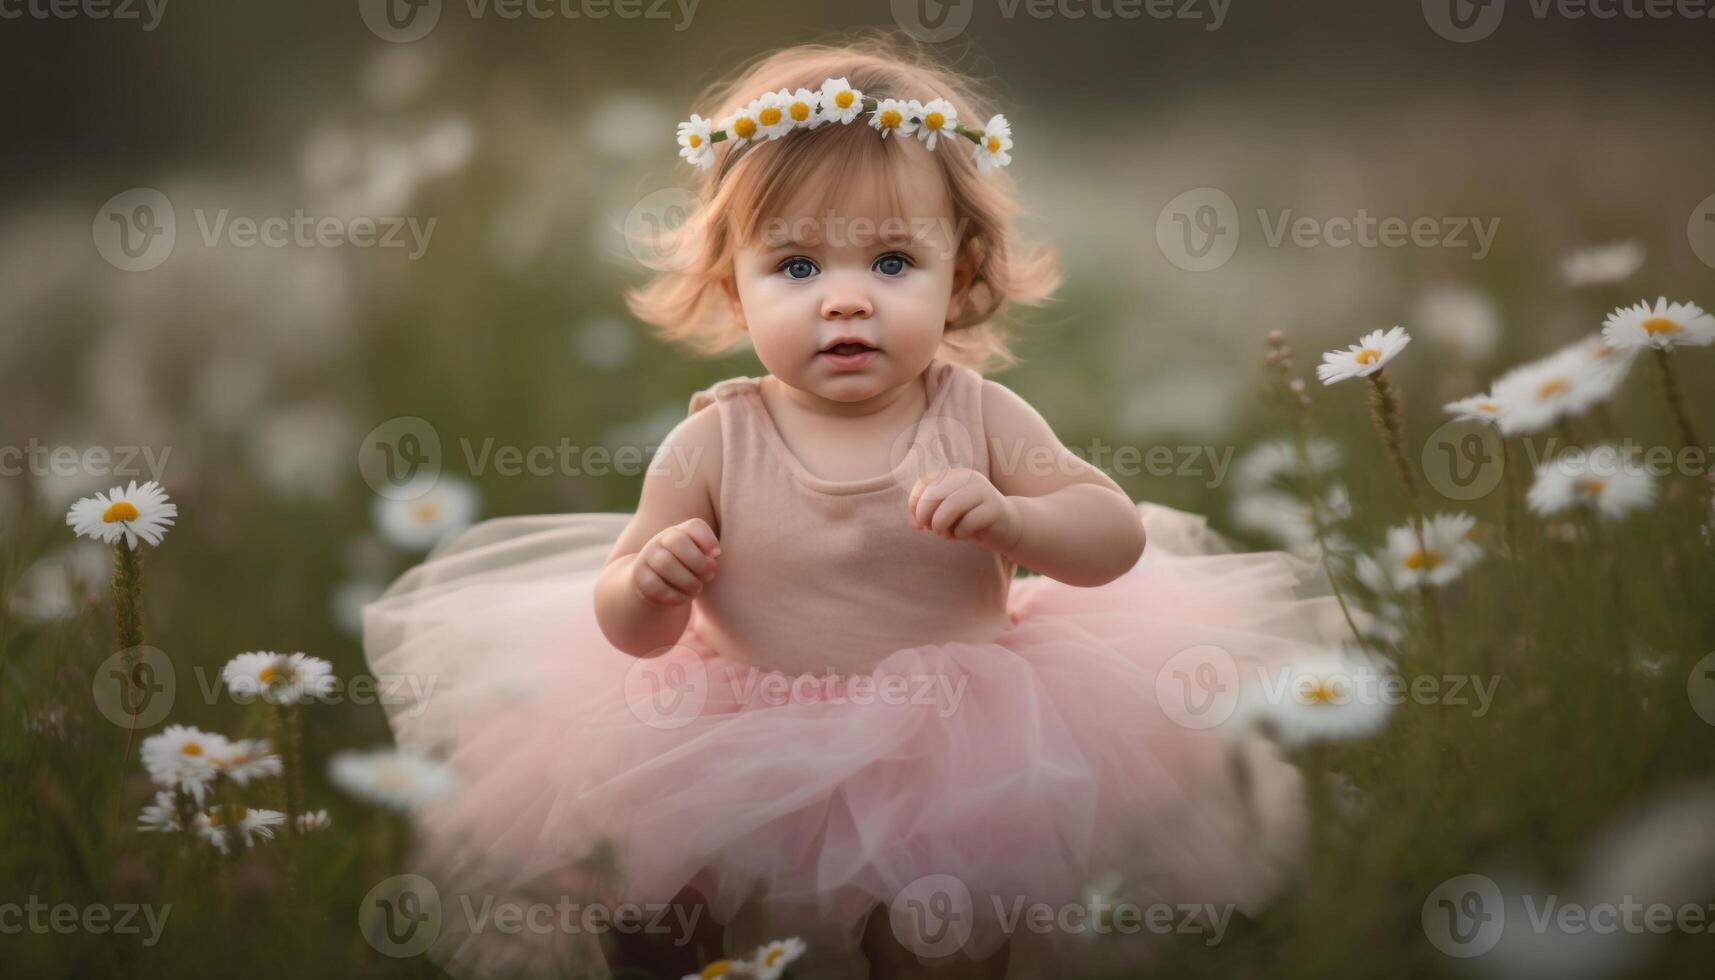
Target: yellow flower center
(1320,692)
(1591,485)
(1659,324)
(890,119)
(269,675)
(119,510)
(1488,407)
(695,141)
(800,111)
(934,120)
(744,127)
(427,511)
(718,968)
(772,957)
(1551,388)
(843,99)
(1369,355)
(769,116)
(993,144)
(1426,559)
(191,748)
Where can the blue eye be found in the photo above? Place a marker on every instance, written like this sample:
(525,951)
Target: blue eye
(798,267)
(892,264)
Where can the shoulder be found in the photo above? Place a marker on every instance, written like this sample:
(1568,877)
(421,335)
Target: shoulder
(1005,412)
(689,457)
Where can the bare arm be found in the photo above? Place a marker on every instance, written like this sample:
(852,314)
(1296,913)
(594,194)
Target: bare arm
(669,550)
(1075,524)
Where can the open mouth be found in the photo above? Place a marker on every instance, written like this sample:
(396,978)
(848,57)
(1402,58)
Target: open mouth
(848,348)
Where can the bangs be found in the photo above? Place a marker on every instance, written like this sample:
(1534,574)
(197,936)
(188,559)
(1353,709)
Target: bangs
(809,173)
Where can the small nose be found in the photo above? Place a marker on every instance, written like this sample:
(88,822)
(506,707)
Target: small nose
(846,305)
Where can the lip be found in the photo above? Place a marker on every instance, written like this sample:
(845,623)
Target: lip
(849,362)
(847,339)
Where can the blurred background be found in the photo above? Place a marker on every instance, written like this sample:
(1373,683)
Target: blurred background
(1161,149)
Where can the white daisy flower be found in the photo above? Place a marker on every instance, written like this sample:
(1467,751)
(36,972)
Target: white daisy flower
(839,101)
(129,512)
(1446,553)
(313,822)
(428,512)
(391,777)
(279,678)
(772,122)
(1534,396)
(161,816)
(1603,265)
(1287,519)
(1462,319)
(1608,365)
(1477,408)
(1364,358)
(62,583)
(771,960)
(183,757)
(1319,697)
(802,110)
(694,143)
(893,116)
(1663,327)
(994,148)
(246,759)
(743,126)
(251,824)
(1268,464)
(935,117)
(1599,478)
(723,968)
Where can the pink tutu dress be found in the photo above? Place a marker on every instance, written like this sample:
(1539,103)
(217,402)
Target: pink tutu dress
(859,714)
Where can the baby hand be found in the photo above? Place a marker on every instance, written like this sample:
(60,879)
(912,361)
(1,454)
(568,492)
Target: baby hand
(676,563)
(963,505)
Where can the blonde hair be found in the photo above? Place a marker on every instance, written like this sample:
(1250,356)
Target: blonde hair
(688,303)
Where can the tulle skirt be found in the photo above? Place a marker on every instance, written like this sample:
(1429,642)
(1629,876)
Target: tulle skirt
(973,793)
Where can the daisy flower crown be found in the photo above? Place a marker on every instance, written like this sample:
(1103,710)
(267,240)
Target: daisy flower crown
(777,113)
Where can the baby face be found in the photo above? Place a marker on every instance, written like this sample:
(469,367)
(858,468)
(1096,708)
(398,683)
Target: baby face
(882,278)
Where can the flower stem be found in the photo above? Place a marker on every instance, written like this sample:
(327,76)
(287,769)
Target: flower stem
(289,725)
(1670,388)
(1387,412)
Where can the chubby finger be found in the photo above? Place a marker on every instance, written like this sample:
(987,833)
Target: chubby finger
(976,520)
(667,565)
(704,536)
(680,543)
(951,509)
(656,589)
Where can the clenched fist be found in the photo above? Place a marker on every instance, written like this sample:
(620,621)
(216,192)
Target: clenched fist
(676,563)
(963,505)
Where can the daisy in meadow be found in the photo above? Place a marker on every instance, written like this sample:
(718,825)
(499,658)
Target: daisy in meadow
(772,959)
(723,968)
(182,757)
(279,678)
(426,512)
(1602,265)
(893,116)
(1286,518)
(1601,479)
(392,778)
(318,820)
(1272,464)
(1364,358)
(1446,552)
(839,102)
(994,147)
(124,513)
(1562,385)
(161,816)
(1608,365)
(246,759)
(935,117)
(1460,319)
(1321,697)
(218,824)
(1477,408)
(1664,326)
(694,143)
